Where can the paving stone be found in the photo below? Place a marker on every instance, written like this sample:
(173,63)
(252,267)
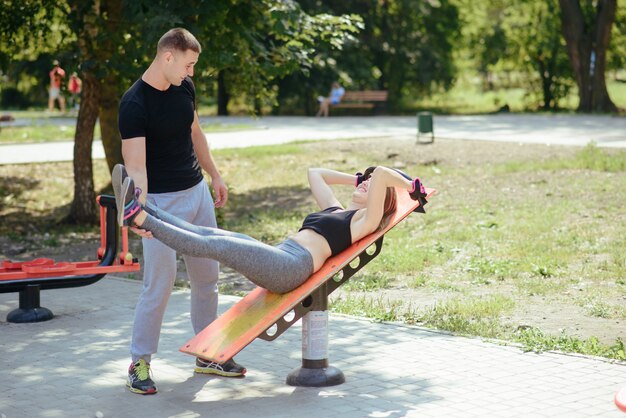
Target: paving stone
(76,365)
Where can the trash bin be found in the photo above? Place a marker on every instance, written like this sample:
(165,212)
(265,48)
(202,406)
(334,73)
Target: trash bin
(425,125)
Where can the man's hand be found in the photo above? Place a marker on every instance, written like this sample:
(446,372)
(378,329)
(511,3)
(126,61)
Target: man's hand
(221,192)
(143,233)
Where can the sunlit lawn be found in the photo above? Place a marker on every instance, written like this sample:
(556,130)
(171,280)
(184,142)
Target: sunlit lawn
(46,128)
(470,98)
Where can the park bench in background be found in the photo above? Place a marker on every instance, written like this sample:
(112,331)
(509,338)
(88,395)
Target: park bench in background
(366,99)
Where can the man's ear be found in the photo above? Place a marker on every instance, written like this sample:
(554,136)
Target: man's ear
(168,56)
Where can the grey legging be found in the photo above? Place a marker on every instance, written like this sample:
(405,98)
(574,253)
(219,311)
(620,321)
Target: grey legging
(278,269)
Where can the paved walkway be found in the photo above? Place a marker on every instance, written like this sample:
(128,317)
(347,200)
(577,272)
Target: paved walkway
(606,131)
(75,364)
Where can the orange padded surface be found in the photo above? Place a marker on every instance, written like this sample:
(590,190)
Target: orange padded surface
(620,399)
(47,267)
(260,309)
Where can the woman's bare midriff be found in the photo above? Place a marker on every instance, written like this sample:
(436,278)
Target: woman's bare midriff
(315,244)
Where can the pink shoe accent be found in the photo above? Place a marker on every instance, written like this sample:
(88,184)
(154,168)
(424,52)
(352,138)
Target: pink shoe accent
(131,212)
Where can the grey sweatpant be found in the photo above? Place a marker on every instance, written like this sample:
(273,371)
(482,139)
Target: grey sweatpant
(194,205)
(278,269)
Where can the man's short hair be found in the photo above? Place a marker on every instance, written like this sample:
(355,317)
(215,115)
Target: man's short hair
(178,39)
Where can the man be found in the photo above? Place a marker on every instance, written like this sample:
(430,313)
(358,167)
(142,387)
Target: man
(165,150)
(54,93)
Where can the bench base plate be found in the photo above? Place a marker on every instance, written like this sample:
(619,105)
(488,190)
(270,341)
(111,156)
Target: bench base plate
(327,376)
(20,316)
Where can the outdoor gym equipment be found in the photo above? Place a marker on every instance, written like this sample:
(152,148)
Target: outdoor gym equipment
(266,315)
(30,277)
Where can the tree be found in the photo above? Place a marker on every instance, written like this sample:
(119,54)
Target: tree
(536,46)
(95,24)
(406,48)
(616,55)
(587,30)
(246,44)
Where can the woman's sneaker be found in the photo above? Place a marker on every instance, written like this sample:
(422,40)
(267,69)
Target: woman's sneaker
(227,369)
(139,380)
(126,201)
(419,193)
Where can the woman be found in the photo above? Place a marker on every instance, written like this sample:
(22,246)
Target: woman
(335,96)
(283,267)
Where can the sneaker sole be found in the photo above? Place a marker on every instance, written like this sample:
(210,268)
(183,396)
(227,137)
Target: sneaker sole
(207,370)
(119,202)
(141,392)
(117,177)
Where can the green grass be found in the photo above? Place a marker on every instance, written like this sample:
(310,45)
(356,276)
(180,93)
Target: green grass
(480,316)
(591,157)
(37,134)
(533,339)
(43,130)
(468,97)
(378,309)
(368,282)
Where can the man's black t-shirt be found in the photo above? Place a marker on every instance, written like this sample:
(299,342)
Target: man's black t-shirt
(164,118)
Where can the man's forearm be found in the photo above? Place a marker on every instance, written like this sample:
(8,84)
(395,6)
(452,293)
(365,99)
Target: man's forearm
(203,152)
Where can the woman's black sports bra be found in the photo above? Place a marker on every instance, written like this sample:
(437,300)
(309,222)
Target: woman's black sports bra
(334,227)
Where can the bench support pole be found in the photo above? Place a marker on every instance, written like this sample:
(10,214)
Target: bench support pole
(315,370)
(30,310)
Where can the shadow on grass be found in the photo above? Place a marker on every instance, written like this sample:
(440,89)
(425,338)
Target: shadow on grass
(278,200)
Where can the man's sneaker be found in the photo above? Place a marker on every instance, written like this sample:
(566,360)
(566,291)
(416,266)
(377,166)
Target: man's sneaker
(227,369)
(139,378)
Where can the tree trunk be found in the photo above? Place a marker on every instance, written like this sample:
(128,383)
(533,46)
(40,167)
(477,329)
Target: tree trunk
(546,84)
(111,139)
(308,108)
(222,95)
(109,102)
(83,209)
(587,42)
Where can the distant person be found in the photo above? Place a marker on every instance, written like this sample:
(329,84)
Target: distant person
(6,118)
(336,93)
(74,86)
(56,78)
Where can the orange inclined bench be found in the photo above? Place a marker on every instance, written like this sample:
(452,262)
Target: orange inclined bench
(266,315)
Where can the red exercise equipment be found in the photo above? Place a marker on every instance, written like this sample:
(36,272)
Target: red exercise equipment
(30,277)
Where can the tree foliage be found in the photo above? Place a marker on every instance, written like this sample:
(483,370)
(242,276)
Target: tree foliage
(254,42)
(406,47)
(537,47)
